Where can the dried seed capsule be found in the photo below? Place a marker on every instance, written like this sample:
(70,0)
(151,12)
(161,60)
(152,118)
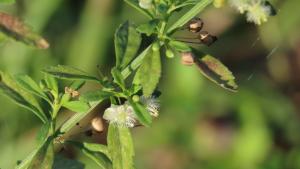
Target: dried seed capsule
(195,25)
(207,38)
(187,58)
(97,124)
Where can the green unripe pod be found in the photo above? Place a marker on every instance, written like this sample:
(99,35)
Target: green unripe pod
(136,98)
(155,46)
(169,53)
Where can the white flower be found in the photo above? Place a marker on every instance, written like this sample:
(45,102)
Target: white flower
(240,5)
(152,105)
(121,115)
(258,13)
(146,4)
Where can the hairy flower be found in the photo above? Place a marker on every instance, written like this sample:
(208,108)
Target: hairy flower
(152,105)
(121,115)
(258,13)
(146,4)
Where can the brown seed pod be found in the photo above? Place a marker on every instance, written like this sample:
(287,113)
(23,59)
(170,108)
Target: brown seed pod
(207,38)
(195,25)
(187,58)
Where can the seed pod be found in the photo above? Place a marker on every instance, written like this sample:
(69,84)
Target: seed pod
(195,25)
(97,124)
(169,53)
(187,58)
(207,38)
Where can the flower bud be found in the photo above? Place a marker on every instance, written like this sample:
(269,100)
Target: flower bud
(136,98)
(169,53)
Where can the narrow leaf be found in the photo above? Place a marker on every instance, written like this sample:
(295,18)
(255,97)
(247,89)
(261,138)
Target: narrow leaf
(141,113)
(44,157)
(120,147)
(179,46)
(215,71)
(135,4)
(68,72)
(28,84)
(77,106)
(150,71)
(127,43)
(149,27)
(15,28)
(118,77)
(97,95)
(189,15)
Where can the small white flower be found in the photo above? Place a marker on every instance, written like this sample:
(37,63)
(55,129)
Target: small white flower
(146,4)
(258,13)
(121,115)
(152,105)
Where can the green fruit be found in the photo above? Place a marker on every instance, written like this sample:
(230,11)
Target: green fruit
(169,54)
(155,46)
(136,98)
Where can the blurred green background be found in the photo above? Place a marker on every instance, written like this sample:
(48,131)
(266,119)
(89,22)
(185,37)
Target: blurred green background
(201,126)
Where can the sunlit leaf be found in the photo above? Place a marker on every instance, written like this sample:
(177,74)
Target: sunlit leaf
(77,106)
(179,46)
(150,71)
(15,28)
(189,15)
(120,147)
(127,43)
(68,72)
(96,152)
(12,90)
(215,71)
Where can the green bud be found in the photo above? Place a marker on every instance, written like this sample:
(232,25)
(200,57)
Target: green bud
(155,46)
(136,98)
(169,53)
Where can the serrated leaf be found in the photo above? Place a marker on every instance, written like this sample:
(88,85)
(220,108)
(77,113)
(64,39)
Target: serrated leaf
(96,152)
(215,71)
(68,72)
(77,106)
(149,27)
(15,28)
(135,4)
(127,43)
(28,84)
(61,162)
(179,46)
(150,71)
(120,147)
(141,113)
(189,15)
(11,89)
(97,95)
(44,157)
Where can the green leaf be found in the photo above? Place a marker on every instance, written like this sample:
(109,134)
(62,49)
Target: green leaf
(97,95)
(51,83)
(98,153)
(68,72)
(15,28)
(25,163)
(44,157)
(61,162)
(7,1)
(11,89)
(179,46)
(42,134)
(120,147)
(127,43)
(135,4)
(76,85)
(77,106)
(28,84)
(149,73)
(189,15)
(149,27)
(215,71)
(118,77)
(141,113)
